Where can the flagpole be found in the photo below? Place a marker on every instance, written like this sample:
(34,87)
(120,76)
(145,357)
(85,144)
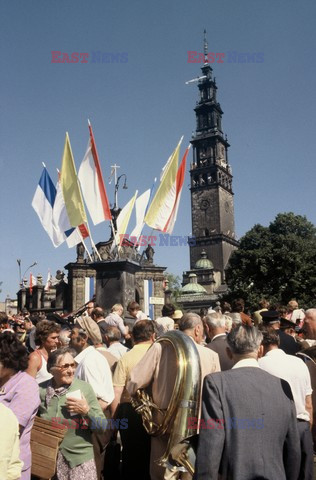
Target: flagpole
(149,201)
(92,243)
(114,234)
(85,247)
(103,196)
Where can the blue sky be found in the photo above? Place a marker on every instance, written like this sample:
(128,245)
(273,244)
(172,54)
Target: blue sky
(140,108)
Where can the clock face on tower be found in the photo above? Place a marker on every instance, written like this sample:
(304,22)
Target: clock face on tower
(204,204)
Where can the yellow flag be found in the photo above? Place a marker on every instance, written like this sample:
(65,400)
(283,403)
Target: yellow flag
(70,188)
(163,202)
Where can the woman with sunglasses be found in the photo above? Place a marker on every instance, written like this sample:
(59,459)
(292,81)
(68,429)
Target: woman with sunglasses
(68,401)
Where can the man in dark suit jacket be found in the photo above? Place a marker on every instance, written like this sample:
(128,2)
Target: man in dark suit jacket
(216,331)
(248,428)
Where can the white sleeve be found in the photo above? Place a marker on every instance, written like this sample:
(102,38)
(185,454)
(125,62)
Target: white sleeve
(121,326)
(97,373)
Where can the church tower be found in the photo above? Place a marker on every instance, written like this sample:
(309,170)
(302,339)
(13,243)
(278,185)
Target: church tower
(212,198)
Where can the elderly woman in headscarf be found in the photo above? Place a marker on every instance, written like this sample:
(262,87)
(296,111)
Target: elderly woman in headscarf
(69,401)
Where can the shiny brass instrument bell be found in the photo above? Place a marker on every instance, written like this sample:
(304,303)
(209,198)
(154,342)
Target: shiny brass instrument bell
(184,403)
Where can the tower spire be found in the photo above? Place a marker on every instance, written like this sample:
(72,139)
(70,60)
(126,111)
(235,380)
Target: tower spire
(205,48)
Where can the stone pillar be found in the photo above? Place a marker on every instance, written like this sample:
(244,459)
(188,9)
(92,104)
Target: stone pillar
(61,295)
(37,297)
(22,302)
(115,282)
(77,273)
(78,289)
(154,273)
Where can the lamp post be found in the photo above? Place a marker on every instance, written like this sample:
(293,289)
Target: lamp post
(19,264)
(117,187)
(22,277)
(115,210)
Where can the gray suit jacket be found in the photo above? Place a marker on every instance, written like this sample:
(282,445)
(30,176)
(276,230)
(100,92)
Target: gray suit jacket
(219,345)
(250,428)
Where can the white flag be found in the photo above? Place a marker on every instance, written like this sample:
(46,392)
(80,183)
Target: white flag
(140,207)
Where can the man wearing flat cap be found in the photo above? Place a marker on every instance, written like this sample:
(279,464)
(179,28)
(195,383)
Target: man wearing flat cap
(287,342)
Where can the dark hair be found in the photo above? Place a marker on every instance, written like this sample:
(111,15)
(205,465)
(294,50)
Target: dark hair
(44,328)
(12,353)
(238,305)
(3,317)
(97,312)
(133,306)
(226,307)
(203,312)
(168,310)
(143,330)
(81,332)
(270,336)
(60,352)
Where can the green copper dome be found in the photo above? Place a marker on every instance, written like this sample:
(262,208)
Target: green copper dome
(193,287)
(204,262)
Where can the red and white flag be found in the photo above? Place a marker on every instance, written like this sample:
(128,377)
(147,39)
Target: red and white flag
(92,184)
(32,282)
(48,283)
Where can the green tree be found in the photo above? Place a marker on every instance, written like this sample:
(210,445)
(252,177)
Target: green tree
(174,285)
(277,262)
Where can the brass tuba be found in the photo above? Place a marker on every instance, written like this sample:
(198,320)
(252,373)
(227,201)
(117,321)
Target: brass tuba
(184,403)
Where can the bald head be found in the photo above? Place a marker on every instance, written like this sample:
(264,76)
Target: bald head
(310,323)
(292,305)
(97,313)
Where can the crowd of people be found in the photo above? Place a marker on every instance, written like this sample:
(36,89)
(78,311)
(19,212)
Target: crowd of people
(255,399)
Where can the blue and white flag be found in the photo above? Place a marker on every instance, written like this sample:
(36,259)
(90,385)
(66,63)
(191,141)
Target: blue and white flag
(43,203)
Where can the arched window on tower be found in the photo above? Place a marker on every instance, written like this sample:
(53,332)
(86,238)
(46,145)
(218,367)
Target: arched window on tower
(206,232)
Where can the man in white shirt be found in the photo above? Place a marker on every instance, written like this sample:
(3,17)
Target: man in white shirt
(92,367)
(295,372)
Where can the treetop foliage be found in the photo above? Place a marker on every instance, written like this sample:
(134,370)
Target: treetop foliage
(277,262)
